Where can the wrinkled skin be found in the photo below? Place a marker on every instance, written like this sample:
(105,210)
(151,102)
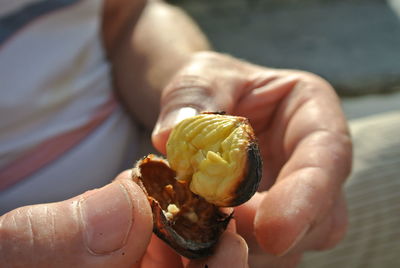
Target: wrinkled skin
(306,150)
(303,137)
(304,141)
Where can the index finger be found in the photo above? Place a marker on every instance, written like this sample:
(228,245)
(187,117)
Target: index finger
(310,135)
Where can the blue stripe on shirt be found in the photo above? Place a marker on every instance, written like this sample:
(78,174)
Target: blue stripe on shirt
(11,23)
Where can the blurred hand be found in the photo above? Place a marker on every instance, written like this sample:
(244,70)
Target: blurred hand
(304,141)
(107,227)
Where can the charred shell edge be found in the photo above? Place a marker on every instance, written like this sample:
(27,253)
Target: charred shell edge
(248,187)
(187,248)
(217,112)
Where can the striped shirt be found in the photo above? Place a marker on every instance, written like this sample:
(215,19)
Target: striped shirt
(55,101)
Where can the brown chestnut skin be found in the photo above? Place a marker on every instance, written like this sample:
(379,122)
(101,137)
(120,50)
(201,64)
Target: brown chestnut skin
(192,238)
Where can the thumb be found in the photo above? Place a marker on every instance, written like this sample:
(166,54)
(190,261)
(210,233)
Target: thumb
(107,227)
(207,83)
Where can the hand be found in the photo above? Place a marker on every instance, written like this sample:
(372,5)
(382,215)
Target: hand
(304,141)
(107,227)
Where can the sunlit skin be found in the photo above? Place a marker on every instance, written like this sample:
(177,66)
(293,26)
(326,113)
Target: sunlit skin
(303,138)
(306,150)
(305,145)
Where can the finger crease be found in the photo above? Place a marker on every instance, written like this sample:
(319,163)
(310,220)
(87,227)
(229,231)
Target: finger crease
(30,227)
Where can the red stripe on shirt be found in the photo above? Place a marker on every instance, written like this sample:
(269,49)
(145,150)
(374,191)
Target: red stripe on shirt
(51,149)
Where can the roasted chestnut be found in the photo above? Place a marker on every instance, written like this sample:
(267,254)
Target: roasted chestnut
(218,155)
(213,161)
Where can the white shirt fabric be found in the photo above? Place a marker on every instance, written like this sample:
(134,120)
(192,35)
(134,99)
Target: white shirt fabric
(53,78)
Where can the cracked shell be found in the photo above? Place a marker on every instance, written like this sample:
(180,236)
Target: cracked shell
(185,221)
(213,161)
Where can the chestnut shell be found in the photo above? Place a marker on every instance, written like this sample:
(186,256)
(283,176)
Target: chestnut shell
(190,238)
(249,185)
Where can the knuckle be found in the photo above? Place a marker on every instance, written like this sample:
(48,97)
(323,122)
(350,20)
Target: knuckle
(340,150)
(340,153)
(332,151)
(310,81)
(185,81)
(311,77)
(187,90)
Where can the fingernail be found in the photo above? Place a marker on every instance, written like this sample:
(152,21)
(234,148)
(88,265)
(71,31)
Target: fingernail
(106,218)
(172,118)
(296,241)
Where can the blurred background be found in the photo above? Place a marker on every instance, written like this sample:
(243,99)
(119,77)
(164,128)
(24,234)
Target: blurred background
(354,44)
